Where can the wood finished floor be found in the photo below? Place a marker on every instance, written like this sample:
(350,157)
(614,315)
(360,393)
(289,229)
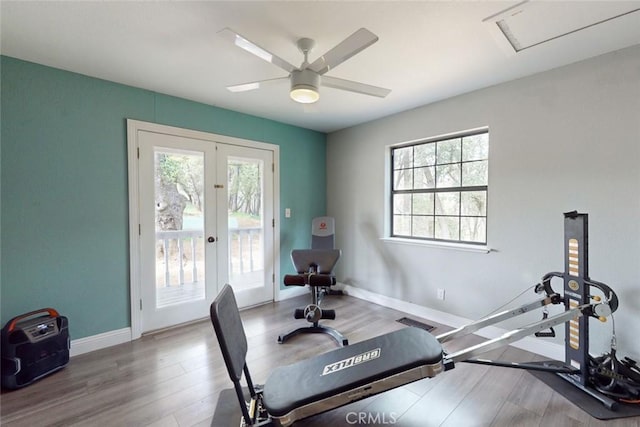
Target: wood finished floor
(173,378)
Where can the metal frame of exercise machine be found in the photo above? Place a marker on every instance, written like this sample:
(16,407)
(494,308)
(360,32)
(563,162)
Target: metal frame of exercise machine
(315,269)
(360,370)
(580,305)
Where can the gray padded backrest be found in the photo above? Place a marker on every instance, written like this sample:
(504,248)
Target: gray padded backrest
(324,259)
(323,231)
(225,317)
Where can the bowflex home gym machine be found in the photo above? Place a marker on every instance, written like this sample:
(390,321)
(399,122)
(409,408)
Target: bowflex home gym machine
(360,370)
(580,305)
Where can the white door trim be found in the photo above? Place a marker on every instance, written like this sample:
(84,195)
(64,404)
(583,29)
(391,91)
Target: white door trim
(133,127)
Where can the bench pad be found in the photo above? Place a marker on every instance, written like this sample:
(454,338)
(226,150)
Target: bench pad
(351,373)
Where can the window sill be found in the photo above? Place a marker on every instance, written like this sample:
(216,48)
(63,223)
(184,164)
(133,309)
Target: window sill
(440,245)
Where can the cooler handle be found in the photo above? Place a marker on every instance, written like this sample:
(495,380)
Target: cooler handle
(14,321)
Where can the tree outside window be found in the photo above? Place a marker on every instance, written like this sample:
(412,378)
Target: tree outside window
(439,189)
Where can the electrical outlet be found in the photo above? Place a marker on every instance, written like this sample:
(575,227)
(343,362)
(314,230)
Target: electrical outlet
(441,294)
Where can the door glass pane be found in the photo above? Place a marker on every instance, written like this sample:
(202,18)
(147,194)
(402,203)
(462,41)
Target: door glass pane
(245,179)
(179,220)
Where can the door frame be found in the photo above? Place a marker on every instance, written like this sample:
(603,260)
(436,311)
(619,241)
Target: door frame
(135,126)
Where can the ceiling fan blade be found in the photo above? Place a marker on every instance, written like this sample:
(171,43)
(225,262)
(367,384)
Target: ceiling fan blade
(246,44)
(344,50)
(245,87)
(352,86)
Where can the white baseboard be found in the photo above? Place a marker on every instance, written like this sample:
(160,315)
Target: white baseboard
(100,341)
(291,292)
(531,344)
(543,348)
(120,336)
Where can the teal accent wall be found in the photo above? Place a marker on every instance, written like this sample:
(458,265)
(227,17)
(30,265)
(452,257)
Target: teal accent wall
(64,201)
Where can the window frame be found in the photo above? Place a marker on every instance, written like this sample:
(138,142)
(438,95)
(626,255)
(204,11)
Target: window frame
(460,189)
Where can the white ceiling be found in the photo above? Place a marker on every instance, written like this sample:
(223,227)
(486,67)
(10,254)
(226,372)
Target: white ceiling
(427,51)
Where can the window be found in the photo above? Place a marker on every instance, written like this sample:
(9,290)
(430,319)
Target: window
(439,189)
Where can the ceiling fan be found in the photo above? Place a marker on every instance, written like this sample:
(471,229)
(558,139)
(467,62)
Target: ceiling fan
(307,79)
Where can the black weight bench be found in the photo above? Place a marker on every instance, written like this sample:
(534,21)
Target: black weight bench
(326,381)
(314,267)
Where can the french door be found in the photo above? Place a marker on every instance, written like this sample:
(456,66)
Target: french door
(249,243)
(205,210)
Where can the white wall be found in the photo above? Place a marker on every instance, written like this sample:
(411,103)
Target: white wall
(562,140)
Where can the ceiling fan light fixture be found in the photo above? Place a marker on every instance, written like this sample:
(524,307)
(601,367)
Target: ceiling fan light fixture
(304,86)
(304,94)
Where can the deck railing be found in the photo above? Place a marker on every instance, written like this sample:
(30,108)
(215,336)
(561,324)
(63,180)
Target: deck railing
(242,257)
(166,240)
(178,248)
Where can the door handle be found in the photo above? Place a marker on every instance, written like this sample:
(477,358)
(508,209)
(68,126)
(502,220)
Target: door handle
(211,239)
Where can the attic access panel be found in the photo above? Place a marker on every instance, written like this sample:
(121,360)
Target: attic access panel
(531,23)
